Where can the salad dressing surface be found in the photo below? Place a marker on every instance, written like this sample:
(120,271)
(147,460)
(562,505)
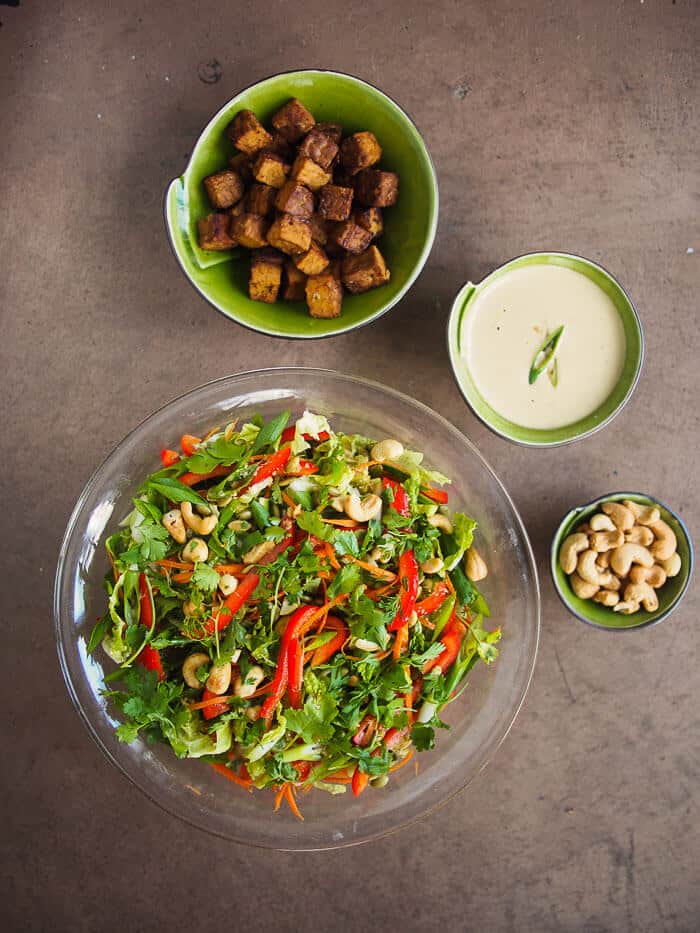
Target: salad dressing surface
(509,321)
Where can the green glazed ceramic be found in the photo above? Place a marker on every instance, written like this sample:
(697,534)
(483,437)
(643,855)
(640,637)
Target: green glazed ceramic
(222,278)
(669,595)
(603,415)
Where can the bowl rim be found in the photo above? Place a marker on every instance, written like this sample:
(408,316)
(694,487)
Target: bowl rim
(62,569)
(578,510)
(425,252)
(543,445)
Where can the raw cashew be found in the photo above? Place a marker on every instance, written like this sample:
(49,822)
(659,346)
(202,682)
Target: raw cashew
(642,593)
(587,570)
(256,554)
(665,544)
(643,514)
(606,597)
(433,565)
(388,449)
(601,522)
(246,687)
(570,550)
(582,588)
(201,525)
(655,576)
(174,525)
(672,565)
(195,550)
(623,557)
(640,534)
(603,560)
(228,584)
(475,565)
(620,514)
(363,510)
(628,607)
(441,521)
(606,540)
(219,678)
(190,667)
(338,503)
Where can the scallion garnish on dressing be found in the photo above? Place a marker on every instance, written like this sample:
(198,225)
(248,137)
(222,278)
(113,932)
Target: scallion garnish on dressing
(545,355)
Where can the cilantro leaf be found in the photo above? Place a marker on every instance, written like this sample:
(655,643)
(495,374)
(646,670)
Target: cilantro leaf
(423,736)
(311,522)
(205,578)
(345,581)
(345,542)
(314,723)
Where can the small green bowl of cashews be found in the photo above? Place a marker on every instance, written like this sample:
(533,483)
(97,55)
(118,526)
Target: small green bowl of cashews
(624,561)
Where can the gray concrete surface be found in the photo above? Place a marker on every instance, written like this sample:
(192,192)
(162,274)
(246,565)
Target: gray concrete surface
(569,125)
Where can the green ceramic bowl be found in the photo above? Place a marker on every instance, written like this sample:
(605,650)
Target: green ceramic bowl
(670,594)
(222,278)
(531,437)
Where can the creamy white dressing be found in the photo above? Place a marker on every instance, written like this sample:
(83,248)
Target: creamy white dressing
(508,321)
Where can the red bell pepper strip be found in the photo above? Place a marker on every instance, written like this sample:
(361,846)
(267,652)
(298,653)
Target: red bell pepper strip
(191,479)
(188,444)
(148,657)
(324,652)
(401,503)
(360,780)
(233,603)
(214,709)
(169,457)
(433,602)
(408,590)
(303,769)
(289,433)
(270,467)
(394,737)
(295,662)
(293,631)
(451,641)
(365,731)
(435,495)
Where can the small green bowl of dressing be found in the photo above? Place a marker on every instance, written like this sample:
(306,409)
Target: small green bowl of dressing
(547,349)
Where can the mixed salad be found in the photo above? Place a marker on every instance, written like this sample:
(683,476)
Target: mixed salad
(293,606)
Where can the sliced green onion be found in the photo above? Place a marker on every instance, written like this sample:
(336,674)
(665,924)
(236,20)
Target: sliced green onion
(545,354)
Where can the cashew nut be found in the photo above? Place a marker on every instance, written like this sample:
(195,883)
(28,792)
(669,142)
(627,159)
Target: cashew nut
(227,584)
(606,540)
(588,571)
(642,593)
(570,550)
(252,713)
(623,557)
(363,510)
(665,544)
(174,525)
(620,514)
(189,608)
(256,553)
(338,503)
(433,565)
(190,667)
(200,525)
(606,597)
(643,514)
(195,550)
(640,534)
(628,607)
(601,522)
(245,687)
(475,565)
(219,678)
(582,588)
(655,576)
(603,560)
(238,525)
(672,565)
(388,449)
(441,521)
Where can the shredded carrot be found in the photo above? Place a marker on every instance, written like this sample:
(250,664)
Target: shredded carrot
(375,571)
(175,564)
(184,577)
(202,704)
(448,583)
(278,797)
(289,793)
(337,778)
(260,691)
(229,568)
(342,522)
(368,464)
(288,500)
(403,762)
(330,554)
(228,773)
(400,642)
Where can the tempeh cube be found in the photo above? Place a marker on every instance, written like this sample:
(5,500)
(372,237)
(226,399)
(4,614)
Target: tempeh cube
(375,188)
(365,271)
(313,261)
(293,198)
(334,130)
(270,169)
(359,151)
(294,288)
(214,232)
(371,219)
(306,172)
(319,229)
(334,202)
(324,295)
(351,237)
(260,199)
(224,188)
(249,230)
(290,234)
(247,132)
(293,120)
(319,147)
(265,275)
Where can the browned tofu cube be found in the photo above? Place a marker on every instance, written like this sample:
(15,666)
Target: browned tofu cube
(265,275)
(293,198)
(324,295)
(282,147)
(359,151)
(306,172)
(365,271)
(371,219)
(334,130)
(293,120)
(290,234)
(334,202)
(241,164)
(313,261)
(214,232)
(237,208)
(375,188)
(319,229)
(294,288)
(260,199)
(249,230)
(224,188)
(351,237)
(247,132)
(319,147)
(270,169)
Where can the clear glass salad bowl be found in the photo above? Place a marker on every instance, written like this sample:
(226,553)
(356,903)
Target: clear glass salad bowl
(479,719)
